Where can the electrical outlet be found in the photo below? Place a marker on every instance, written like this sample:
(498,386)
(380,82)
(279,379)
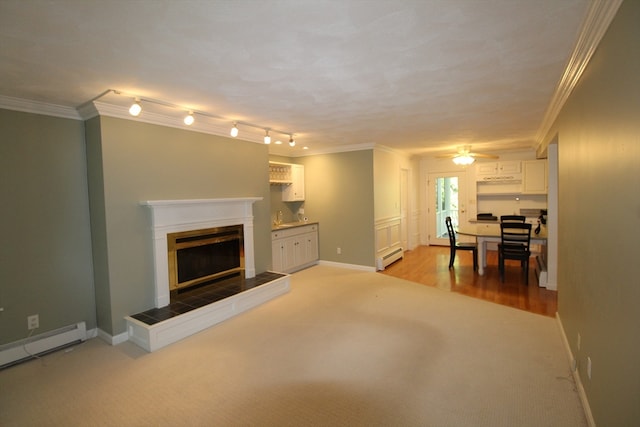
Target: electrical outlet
(589,367)
(33,322)
(339,251)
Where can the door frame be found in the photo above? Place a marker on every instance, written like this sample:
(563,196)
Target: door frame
(432,239)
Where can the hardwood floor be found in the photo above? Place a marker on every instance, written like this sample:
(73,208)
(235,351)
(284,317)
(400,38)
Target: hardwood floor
(429,265)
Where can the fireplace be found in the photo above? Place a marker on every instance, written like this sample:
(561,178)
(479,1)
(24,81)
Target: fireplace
(203,257)
(169,217)
(192,226)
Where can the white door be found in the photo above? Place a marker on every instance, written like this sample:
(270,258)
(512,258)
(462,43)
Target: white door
(446,193)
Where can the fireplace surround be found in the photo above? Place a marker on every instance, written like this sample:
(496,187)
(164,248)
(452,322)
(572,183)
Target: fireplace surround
(176,216)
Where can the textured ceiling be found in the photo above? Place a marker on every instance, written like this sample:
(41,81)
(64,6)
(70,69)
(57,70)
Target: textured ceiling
(420,76)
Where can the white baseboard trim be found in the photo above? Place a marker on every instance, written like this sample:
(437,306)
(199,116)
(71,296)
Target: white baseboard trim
(576,375)
(349,266)
(112,339)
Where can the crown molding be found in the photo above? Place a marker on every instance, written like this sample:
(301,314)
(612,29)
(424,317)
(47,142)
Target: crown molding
(595,25)
(37,107)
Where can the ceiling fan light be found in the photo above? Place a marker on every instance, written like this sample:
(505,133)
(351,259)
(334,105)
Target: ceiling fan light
(463,160)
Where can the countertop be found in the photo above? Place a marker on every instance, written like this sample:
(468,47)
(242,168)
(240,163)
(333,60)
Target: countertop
(287,225)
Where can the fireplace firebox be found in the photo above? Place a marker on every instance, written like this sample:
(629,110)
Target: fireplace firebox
(202,257)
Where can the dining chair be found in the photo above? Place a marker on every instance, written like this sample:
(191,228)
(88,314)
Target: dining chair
(455,246)
(515,241)
(513,218)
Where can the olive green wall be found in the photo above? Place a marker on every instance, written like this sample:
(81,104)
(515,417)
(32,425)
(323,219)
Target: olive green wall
(45,255)
(131,162)
(339,194)
(598,136)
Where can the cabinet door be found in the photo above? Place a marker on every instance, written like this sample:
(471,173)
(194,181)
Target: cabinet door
(311,246)
(534,177)
(307,249)
(277,255)
(509,167)
(486,168)
(283,254)
(295,191)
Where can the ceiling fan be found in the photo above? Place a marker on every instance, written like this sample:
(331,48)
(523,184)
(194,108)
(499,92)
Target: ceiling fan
(464,156)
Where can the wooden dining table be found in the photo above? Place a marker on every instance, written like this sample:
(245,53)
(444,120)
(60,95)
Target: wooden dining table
(490,232)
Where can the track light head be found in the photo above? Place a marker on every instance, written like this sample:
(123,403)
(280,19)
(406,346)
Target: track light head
(189,119)
(135,108)
(267,138)
(234,130)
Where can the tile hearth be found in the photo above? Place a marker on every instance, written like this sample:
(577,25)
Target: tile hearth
(201,308)
(200,297)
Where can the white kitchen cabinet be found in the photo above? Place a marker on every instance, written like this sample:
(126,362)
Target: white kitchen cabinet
(280,173)
(294,192)
(498,168)
(534,177)
(294,248)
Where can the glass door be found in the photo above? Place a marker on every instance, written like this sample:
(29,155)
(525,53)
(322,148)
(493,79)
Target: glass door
(446,195)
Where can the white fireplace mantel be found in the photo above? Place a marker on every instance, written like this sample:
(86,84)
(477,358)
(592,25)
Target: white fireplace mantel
(171,216)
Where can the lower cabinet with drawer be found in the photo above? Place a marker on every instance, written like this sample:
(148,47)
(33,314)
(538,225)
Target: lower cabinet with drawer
(294,248)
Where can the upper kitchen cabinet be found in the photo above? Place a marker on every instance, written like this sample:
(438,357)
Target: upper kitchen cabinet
(280,173)
(498,168)
(534,177)
(295,191)
(291,177)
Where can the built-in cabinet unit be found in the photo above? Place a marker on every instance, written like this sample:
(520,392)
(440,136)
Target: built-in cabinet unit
(508,187)
(498,168)
(294,248)
(534,177)
(291,177)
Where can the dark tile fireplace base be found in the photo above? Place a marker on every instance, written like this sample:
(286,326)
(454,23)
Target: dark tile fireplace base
(200,297)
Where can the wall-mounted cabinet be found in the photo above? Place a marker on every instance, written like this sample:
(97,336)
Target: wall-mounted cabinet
(534,177)
(279,173)
(295,191)
(294,248)
(498,168)
(291,177)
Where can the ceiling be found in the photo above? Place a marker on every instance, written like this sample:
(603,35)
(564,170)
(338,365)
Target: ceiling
(423,76)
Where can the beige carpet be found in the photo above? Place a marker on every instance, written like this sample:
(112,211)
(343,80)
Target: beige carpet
(344,348)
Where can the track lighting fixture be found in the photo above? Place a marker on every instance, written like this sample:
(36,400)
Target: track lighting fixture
(135,108)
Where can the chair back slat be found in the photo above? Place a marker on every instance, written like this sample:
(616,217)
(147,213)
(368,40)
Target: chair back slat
(452,233)
(513,218)
(515,235)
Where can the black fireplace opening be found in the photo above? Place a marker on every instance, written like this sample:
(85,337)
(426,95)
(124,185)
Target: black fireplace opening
(200,261)
(201,257)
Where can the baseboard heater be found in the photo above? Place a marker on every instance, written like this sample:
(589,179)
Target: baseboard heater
(39,345)
(389,258)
